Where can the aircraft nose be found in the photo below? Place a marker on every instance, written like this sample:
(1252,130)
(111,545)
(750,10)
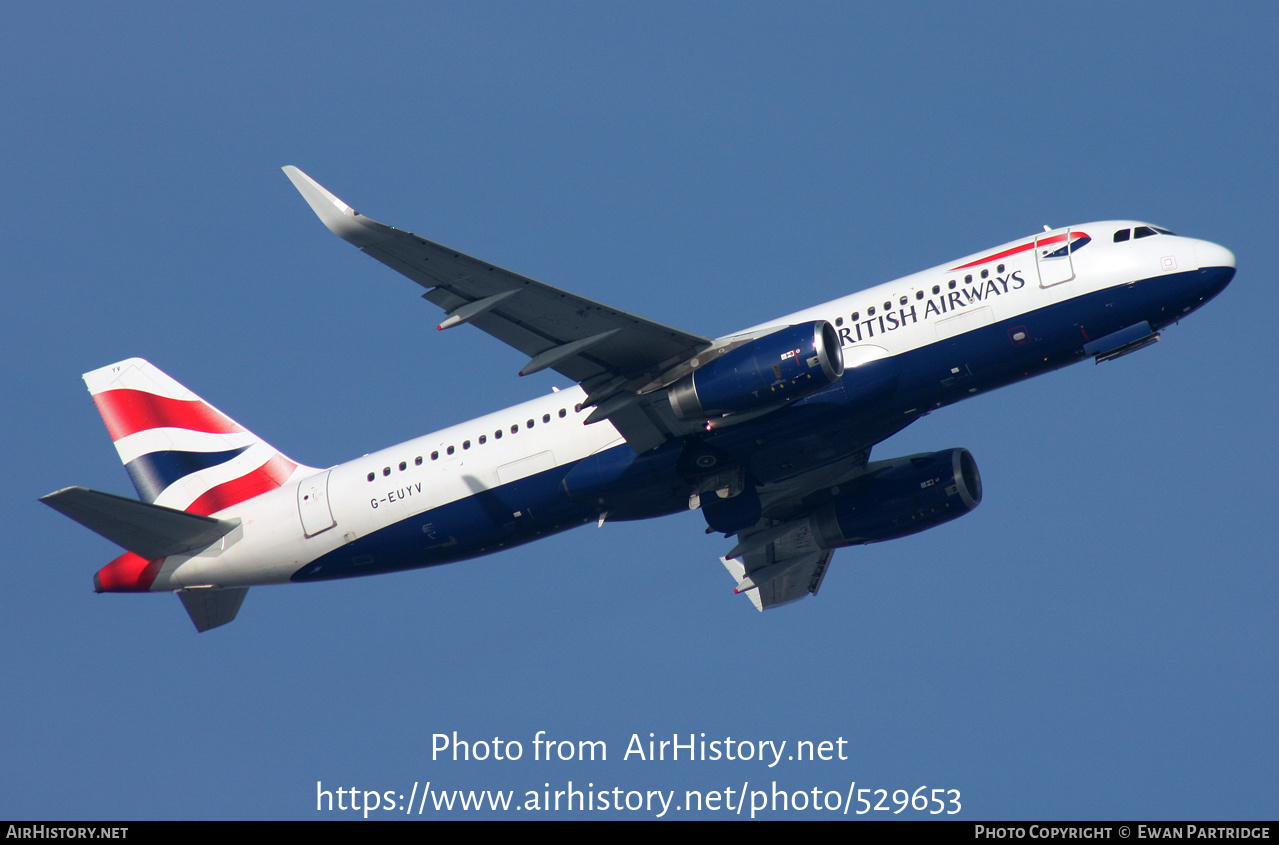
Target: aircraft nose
(1216,268)
(1211,255)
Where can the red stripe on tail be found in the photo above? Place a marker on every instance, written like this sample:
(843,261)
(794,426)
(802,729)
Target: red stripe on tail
(129,573)
(269,476)
(129,411)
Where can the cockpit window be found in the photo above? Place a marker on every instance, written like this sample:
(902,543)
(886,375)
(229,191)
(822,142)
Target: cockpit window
(1141,232)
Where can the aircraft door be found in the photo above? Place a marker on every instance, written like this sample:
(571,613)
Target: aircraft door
(1053,259)
(313,504)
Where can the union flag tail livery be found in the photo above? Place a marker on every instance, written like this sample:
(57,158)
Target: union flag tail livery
(187,460)
(768,431)
(180,451)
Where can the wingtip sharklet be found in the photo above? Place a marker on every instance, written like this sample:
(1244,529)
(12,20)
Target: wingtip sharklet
(340,218)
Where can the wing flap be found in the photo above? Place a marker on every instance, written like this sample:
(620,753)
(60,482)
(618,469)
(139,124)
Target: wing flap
(779,564)
(770,585)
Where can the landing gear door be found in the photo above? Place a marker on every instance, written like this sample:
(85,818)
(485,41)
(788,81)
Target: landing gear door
(313,504)
(1053,259)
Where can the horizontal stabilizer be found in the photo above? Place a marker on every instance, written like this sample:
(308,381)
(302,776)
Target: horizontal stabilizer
(212,608)
(152,531)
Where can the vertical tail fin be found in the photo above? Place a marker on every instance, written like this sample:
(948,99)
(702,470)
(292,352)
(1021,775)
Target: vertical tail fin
(180,451)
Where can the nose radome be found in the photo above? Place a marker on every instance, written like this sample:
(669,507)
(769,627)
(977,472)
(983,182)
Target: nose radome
(1209,254)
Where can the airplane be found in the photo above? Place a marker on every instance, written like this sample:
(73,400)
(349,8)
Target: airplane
(768,431)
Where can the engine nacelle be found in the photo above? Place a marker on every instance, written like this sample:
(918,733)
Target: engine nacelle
(777,368)
(900,497)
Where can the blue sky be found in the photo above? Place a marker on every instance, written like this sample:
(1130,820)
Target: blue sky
(1097,640)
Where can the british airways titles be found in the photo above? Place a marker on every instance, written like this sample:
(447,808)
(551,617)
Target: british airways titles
(936,305)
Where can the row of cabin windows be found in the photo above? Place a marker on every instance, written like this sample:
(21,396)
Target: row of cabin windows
(919,294)
(481,440)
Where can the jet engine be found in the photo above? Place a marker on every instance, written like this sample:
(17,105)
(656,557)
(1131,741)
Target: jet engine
(776,368)
(893,499)
(900,497)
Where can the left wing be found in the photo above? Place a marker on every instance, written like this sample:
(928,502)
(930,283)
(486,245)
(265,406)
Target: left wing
(777,566)
(616,357)
(778,560)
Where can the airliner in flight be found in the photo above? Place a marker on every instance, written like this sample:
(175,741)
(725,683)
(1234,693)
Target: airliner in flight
(768,431)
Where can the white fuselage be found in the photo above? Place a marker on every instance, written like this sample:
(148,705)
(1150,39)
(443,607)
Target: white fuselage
(423,475)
